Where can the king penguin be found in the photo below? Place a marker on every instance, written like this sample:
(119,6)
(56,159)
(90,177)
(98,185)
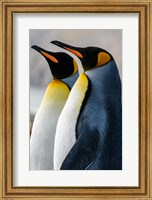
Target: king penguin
(94,117)
(62,66)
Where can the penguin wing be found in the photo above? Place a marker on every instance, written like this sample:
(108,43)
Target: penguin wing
(84,152)
(88,146)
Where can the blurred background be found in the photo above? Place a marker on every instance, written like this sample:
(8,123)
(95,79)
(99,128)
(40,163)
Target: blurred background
(40,74)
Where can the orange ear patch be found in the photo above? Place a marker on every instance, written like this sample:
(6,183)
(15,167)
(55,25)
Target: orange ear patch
(74,52)
(49,56)
(103,58)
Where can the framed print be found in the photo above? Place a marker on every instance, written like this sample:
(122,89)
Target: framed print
(83,71)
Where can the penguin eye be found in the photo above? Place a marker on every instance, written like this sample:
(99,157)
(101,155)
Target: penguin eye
(52,58)
(103,58)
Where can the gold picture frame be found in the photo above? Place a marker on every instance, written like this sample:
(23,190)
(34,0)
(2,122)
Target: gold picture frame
(7,9)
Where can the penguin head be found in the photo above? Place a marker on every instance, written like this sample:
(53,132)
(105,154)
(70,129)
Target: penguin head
(61,64)
(91,57)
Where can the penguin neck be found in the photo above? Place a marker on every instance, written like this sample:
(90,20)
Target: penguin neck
(105,78)
(57,91)
(71,80)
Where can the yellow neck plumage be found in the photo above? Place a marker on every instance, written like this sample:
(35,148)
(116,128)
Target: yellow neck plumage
(56,91)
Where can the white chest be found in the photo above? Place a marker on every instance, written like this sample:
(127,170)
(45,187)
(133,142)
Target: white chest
(65,136)
(44,127)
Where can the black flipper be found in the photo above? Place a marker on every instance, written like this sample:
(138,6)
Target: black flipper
(90,142)
(84,152)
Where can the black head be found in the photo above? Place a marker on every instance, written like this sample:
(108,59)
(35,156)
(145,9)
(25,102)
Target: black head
(61,64)
(91,57)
